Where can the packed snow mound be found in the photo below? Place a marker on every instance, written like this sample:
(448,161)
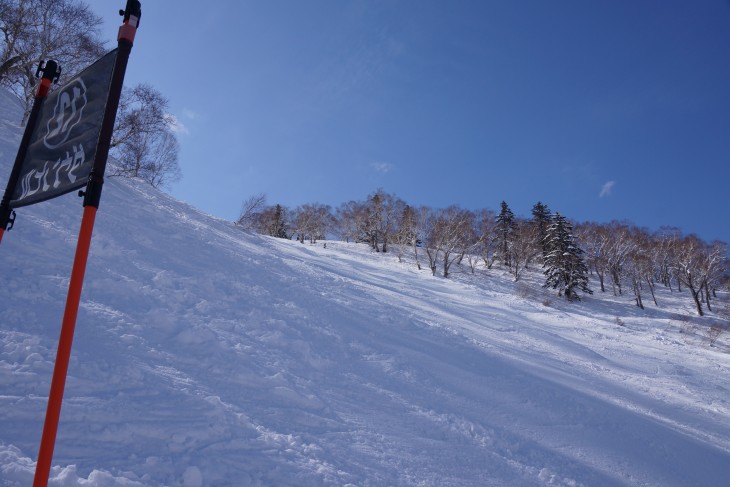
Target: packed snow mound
(206,356)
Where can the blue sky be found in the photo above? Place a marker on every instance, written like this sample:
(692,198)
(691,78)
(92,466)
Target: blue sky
(601,109)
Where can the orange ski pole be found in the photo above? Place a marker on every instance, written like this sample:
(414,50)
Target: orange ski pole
(92,197)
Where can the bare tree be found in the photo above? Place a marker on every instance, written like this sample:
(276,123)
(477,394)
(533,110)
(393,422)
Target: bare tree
(250,209)
(142,109)
(446,236)
(691,267)
(384,210)
(430,222)
(486,229)
(474,250)
(302,222)
(714,265)
(648,265)
(32,31)
(617,249)
(349,220)
(596,241)
(312,221)
(423,215)
(150,158)
(665,244)
(638,263)
(272,221)
(406,235)
(325,221)
(524,247)
(458,236)
(473,240)
(144,142)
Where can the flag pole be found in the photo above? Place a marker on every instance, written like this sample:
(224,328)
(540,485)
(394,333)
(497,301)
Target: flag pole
(51,71)
(92,196)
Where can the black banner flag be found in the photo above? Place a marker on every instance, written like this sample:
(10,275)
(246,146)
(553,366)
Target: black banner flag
(63,145)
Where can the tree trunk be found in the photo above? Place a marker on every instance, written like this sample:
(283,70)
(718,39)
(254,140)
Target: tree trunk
(651,288)
(617,283)
(696,297)
(637,293)
(600,279)
(415,254)
(432,258)
(707,297)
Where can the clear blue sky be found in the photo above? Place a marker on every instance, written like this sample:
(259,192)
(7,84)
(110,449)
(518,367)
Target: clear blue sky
(600,109)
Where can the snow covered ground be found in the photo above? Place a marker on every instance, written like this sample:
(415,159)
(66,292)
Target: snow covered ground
(205,356)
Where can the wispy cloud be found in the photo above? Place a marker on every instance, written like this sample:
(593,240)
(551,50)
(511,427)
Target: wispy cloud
(176,125)
(607,188)
(381,167)
(189,114)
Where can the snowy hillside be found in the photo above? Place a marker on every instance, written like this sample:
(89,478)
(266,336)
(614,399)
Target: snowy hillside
(205,356)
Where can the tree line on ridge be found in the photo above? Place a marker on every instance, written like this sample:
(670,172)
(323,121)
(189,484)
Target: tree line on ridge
(620,256)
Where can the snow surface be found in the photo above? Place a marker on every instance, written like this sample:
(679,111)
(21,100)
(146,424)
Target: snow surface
(206,356)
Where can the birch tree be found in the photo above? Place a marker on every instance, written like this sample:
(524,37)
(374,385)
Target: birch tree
(406,235)
(144,142)
(596,241)
(32,31)
(485,221)
(524,248)
(250,209)
(350,218)
(688,267)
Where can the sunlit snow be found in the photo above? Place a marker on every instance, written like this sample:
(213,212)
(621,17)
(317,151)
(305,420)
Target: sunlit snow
(206,356)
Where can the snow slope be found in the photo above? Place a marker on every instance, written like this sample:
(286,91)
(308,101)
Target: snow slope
(205,356)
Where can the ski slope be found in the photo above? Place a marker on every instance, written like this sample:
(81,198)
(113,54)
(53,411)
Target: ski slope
(206,356)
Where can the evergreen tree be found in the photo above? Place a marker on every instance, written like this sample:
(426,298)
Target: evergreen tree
(278,224)
(374,221)
(504,234)
(540,222)
(564,267)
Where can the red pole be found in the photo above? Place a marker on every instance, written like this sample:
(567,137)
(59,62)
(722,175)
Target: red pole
(92,197)
(58,384)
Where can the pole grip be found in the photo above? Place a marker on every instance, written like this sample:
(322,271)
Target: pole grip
(132,15)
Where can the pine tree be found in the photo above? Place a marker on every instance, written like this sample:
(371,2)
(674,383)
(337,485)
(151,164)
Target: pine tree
(564,267)
(504,233)
(278,228)
(541,217)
